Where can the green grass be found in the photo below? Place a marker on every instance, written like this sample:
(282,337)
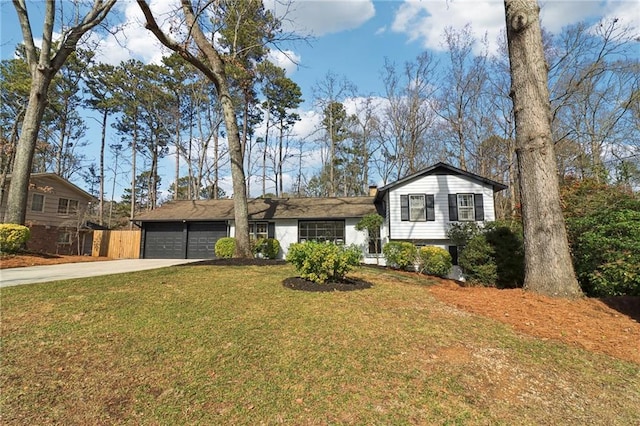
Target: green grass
(231,345)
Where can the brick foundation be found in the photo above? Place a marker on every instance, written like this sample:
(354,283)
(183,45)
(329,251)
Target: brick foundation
(44,239)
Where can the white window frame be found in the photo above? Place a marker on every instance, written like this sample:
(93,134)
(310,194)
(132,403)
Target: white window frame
(466,208)
(70,206)
(258,230)
(422,209)
(33,196)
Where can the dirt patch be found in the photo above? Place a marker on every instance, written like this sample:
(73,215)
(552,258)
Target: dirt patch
(608,326)
(297,283)
(22,260)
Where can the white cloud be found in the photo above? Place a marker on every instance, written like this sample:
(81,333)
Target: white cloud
(425,21)
(321,17)
(286,59)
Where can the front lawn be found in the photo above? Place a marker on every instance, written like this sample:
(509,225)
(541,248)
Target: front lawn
(231,345)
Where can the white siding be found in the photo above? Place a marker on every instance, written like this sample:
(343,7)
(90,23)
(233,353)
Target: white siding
(286,232)
(440,186)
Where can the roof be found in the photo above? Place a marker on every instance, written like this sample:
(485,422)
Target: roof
(438,169)
(262,209)
(62,181)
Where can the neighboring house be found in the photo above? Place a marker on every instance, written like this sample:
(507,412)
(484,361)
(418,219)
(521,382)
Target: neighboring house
(418,208)
(56,215)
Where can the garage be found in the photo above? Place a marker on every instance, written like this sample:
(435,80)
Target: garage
(180,240)
(202,238)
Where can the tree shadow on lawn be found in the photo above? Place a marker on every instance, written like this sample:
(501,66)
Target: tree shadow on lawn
(237,262)
(626,305)
(348,284)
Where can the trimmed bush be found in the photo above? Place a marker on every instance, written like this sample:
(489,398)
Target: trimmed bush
(606,252)
(476,260)
(494,257)
(434,261)
(12,237)
(225,247)
(322,262)
(400,254)
(267,247)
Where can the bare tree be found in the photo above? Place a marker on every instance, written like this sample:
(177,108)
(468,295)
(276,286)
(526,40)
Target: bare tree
(548,266)
(43,67)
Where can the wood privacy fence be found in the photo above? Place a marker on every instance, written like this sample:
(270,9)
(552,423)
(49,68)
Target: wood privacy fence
(116,244)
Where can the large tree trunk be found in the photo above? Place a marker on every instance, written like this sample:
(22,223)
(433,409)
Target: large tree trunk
(19,187)
(548,266)
(43,65)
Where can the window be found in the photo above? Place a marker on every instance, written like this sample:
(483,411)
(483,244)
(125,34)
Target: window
(37,203)
(64,238)
(325,230)
(466,209)
(417,208)
(66,206)
(258,230)
(375,243)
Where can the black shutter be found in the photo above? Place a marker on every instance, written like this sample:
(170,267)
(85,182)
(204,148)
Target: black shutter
(404,207)
(271,230)
(479,205)
(453,251)
(431,211)
(453,208)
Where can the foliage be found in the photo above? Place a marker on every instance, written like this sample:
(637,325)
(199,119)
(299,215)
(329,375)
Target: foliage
(371,223)
(494,257)
(461,232)
(267,247)
(434,261)
(322,262)
(12,237)
(225,247)
(603,223)
(606,251)
(399,254)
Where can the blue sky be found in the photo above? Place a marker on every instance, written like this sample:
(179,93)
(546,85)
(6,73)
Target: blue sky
(352,37)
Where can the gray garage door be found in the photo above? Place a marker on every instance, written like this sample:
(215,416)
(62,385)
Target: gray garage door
(202,237)
(164,240)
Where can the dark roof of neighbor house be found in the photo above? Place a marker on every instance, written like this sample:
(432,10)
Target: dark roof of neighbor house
(59,179)
(436,169)
(262,209)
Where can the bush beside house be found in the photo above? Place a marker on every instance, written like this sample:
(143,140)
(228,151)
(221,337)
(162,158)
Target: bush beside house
(13,237)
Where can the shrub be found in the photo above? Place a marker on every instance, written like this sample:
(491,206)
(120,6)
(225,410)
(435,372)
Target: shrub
(461,232)
(12,237)
(606,252)
(399,254)
(434,261)
(494,258)
(322,262)
(225,247)
(476,260)
(267,247)
(603,224)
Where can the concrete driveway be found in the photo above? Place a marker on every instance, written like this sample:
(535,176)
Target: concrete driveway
(38,274)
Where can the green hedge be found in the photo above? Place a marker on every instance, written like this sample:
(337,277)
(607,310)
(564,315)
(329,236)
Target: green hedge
(225,247)
(12,237)
(434,261)
(322,262)
(400,254)
(267,247)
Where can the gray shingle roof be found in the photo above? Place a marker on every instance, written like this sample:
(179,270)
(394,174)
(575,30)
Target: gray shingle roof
(262,209)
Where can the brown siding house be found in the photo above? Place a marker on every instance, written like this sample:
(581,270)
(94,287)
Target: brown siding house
(56,215)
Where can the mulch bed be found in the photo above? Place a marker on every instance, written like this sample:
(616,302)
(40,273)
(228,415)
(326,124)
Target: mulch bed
(238,262)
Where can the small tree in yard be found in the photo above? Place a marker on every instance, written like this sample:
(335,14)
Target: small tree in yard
(371,223)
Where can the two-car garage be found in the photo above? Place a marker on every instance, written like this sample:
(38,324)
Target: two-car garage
(181,240)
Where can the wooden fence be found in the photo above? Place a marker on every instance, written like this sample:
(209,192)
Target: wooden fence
(116,244)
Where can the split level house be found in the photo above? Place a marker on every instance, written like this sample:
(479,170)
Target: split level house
(418,208)
(55,215)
